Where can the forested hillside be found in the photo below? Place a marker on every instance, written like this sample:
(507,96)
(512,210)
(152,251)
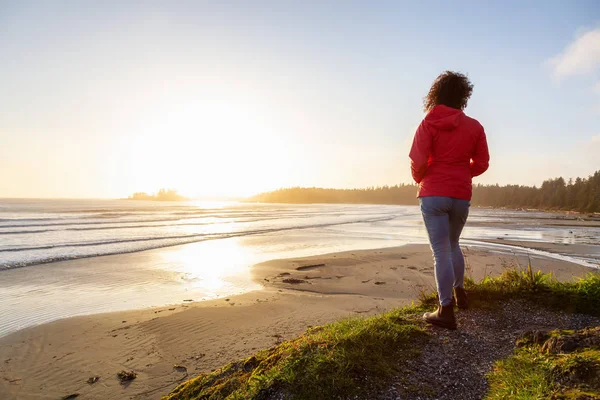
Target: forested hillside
(581,194)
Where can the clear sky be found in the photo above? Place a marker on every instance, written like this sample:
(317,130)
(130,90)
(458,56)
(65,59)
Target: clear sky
(101,99)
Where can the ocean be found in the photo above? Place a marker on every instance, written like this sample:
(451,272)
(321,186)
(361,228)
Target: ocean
(34,232)
(60,258)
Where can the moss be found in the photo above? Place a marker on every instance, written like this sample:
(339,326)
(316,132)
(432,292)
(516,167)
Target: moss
(533,374)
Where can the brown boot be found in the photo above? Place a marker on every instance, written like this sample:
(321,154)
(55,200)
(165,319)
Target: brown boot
(443,316)
(461,298)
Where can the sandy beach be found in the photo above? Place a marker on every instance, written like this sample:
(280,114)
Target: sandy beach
(56,359)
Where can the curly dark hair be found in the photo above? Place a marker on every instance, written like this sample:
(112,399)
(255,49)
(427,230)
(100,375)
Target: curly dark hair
(451,89)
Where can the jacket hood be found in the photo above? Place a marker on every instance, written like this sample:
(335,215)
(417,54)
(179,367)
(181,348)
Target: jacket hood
(444,117)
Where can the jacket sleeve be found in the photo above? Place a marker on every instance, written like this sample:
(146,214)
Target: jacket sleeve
(420,152)
(480,161)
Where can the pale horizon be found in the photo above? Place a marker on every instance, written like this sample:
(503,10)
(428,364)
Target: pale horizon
(104,100)
(226,198)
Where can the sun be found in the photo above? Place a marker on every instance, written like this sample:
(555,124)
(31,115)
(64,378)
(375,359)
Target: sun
(215,148)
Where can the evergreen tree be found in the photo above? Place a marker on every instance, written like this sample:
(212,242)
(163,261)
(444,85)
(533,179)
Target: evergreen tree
(556,194)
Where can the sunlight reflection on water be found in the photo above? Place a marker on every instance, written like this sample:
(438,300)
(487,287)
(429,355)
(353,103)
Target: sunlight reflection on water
(214,266)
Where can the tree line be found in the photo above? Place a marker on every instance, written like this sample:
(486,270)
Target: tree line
(581,194)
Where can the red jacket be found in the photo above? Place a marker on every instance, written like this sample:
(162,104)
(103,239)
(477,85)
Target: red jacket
(448,150)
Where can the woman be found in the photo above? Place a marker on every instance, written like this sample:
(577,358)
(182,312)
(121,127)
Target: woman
(448,150)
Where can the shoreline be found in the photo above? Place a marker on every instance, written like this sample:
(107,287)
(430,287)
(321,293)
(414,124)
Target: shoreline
(580,254)
(584,215)
(167,276)
(55,359)
(582,251)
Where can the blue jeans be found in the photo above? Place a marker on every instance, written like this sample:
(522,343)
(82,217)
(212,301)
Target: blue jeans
(444,219)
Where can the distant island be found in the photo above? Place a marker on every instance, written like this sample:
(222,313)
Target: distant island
(581,195)
(161,195)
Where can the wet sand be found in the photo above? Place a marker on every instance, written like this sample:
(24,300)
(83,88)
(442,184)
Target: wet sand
(586,251)
(56,359)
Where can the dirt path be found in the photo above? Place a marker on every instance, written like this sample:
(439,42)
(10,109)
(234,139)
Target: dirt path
(454,364)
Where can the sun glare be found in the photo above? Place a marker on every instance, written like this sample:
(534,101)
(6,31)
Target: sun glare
(216,148)
(213,266)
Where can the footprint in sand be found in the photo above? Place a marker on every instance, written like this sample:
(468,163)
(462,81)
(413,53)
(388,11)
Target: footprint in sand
(293,280)
(309,267)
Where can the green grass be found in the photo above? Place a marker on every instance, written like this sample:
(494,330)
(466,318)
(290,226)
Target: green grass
(324,363)
(354,356)
(581,296)
(531,374)
(526,375)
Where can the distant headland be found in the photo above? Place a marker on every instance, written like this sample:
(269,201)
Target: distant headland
(161,195)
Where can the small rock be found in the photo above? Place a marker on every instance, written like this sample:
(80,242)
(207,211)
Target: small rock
(588,337)
(126,376)
(533,336)
(93,379)
(179,368)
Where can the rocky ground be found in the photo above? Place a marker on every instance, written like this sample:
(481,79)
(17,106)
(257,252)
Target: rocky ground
(454,364)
